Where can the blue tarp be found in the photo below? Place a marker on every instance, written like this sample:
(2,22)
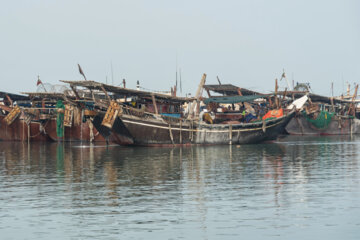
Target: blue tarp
(234,99)
(175,115)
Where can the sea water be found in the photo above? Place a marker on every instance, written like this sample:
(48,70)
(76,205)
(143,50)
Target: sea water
(293,188)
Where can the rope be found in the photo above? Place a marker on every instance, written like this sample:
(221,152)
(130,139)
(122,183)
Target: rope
(40,130)
(91,127)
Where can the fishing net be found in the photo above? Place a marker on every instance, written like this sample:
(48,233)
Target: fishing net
(60,118)
(52,88)
(322,120)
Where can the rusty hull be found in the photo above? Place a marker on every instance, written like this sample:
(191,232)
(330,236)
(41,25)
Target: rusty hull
(19,131)
(338,126)
(79,132)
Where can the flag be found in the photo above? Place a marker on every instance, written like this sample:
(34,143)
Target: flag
(38,82)
(81,71)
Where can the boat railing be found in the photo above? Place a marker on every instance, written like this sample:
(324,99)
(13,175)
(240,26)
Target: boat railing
(171,119)
(133,111)
(127,110)
(41,110)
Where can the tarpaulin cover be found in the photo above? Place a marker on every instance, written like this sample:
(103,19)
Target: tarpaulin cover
(274,114)
(322,121)
(60,119)
(233,99)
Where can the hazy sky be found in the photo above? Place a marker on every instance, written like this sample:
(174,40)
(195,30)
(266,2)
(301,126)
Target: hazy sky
(246,43)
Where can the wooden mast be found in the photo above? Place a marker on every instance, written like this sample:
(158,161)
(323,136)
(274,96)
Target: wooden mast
(352,105)
(197,96)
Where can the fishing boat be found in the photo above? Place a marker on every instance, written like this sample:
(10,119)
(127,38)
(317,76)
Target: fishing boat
(153,119)
(156,130)
(17,124)
(64,118)
(119,101)
(320,115)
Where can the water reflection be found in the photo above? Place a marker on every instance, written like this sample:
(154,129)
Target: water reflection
(206,192)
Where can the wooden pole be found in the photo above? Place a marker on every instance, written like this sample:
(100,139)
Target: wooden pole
(23,135)
(208,92)
(154,103)
(75,92)
(171,135)
(332,104)
(180,131)
(63,128)
(283,98)
(28,132)
(230,134)
(270,101)
(106,94)
(285,92)
(10,100)
(352,105)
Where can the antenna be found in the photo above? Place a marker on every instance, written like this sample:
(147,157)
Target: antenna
(180,81)
(176,79)
(217,77)
(284,76)
(112,73)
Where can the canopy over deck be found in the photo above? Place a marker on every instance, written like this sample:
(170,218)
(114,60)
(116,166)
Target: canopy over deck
(314,97)
(93,85)
(234,99)
(14,97)
(48,95)
(229,89)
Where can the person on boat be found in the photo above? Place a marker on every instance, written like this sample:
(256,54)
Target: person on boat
(261,111)
(206,116)
(249,117)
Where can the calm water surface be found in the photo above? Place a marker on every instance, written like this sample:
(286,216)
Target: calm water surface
(295,188)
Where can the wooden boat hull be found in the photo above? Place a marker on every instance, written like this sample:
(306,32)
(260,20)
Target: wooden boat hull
(154,132)
(81,132)
(118,134)
(343,126)
(19,131)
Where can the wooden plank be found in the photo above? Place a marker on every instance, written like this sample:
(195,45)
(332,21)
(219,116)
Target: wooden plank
(68,115)
(10,118)
(111,114)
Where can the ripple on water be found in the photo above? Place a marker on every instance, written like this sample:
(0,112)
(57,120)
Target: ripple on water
(302,188)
